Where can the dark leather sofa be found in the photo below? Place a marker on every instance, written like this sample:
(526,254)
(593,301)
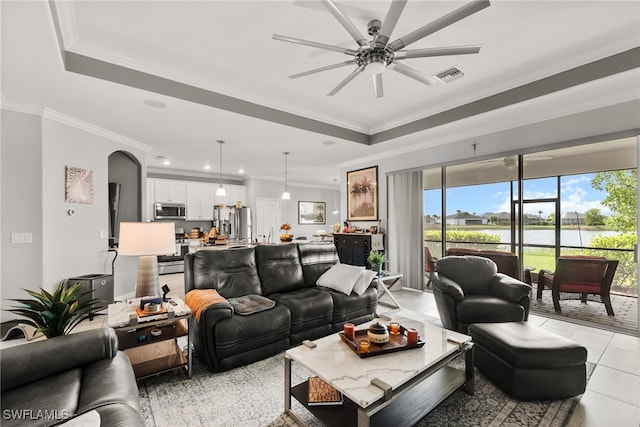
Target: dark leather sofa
(286,274)
(469,289)
(81,377)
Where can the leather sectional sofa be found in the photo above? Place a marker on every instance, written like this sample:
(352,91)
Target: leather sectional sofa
(79,378)
(286,274)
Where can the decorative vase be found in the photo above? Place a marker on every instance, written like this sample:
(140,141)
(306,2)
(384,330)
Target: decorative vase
(378,334)
(377,268)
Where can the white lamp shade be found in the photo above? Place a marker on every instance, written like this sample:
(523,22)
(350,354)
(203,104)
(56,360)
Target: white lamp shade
(147,238)
(221,192)
(286,196)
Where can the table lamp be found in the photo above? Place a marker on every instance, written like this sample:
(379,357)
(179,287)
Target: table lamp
(147,240)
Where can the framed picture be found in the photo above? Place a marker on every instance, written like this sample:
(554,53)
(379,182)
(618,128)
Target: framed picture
(78,185)
(362,194)
(312,212)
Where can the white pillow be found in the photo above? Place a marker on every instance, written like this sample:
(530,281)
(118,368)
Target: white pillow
(364,281)
(340,277)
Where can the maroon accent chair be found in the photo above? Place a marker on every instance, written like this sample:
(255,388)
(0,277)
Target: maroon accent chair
(579,276)
(429,264)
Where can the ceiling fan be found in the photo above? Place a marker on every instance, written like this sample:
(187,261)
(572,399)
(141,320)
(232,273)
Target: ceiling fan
(378,54)
(511,162)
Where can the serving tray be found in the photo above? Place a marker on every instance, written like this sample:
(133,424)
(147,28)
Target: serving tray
(395,343)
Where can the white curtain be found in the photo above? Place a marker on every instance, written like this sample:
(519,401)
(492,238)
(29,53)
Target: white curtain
(404,227)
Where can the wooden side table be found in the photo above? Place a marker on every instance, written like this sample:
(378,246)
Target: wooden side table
(151,343)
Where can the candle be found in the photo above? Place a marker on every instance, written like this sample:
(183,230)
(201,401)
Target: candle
(349,330)
(394,328)
(363,346)
(412,336)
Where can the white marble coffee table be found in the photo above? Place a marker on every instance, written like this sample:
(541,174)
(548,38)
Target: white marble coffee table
(418,379)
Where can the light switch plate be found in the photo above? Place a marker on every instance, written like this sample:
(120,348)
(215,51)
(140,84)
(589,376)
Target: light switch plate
(21,238)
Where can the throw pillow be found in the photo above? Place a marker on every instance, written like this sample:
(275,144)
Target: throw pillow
(364,281)
(340,277)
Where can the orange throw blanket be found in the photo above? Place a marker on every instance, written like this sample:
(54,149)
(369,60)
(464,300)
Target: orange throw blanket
(199,299)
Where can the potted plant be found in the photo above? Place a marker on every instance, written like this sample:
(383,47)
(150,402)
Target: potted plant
(376,259)
(58,313)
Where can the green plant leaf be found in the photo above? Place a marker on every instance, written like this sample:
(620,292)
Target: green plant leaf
(55,313)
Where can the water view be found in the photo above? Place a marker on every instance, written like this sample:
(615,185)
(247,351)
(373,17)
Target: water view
(548,237)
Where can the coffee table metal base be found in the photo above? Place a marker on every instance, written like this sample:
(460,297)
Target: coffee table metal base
(406,405)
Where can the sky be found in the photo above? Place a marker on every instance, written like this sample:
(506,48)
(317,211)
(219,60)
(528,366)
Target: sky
(576,195)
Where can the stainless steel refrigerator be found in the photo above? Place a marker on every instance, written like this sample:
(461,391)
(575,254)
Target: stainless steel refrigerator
(232,222)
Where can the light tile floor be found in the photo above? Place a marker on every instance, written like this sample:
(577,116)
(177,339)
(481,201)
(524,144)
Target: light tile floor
(613,391)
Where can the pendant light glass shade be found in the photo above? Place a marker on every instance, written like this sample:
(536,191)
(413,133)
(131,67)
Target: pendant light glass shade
(221,192)
(285,194)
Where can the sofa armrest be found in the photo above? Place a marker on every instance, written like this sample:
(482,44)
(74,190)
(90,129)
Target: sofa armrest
(216,312)
(203,335)
(508,288)
(448,287)
(26,363)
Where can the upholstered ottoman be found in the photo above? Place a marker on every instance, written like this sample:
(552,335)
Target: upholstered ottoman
(527,362)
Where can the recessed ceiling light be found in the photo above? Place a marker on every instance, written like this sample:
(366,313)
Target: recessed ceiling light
(207,167)
(154,104)
(328,142)
(240,171)
(166,162)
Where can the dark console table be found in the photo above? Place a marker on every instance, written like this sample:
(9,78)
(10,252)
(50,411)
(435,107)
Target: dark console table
(353,248)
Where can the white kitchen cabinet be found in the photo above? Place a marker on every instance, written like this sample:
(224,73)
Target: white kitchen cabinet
(235,193)
(200,201)
(170,191)
(150,199)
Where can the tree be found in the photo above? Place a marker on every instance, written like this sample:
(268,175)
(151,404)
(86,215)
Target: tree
(494,219)
(621,198)
(594,217)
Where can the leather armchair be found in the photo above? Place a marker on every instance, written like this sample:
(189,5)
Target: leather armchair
(79,376)
(507,262)
(469,289)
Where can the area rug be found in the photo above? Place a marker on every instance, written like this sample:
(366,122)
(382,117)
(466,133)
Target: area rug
(253,395)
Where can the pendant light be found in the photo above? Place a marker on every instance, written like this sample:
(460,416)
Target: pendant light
(335,200)
(221,191)
(285,194)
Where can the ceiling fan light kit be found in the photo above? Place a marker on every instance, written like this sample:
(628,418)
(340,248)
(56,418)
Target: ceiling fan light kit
(377,54)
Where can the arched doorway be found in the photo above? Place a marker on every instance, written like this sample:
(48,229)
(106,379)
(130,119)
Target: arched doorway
(125,192)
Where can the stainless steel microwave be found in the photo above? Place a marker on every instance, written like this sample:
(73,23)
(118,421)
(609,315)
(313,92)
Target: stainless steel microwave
(169,210)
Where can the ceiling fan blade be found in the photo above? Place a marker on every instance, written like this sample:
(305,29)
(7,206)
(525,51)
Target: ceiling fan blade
(437,51)
(446,20)
(345,22)
(411,72)
(347,80)
(389,23)
(314,44)
(328,67)
(377,85)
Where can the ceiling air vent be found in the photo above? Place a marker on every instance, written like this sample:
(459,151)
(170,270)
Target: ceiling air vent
(449,75)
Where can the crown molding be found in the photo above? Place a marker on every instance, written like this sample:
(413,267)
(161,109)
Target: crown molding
(8,105)
(93,129)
